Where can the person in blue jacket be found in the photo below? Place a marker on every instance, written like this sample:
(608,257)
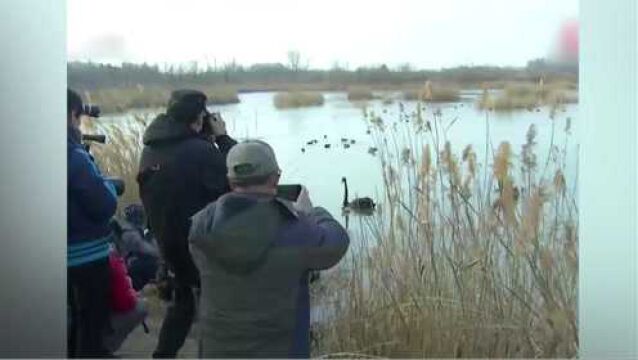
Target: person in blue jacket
(91,202)
(255,252)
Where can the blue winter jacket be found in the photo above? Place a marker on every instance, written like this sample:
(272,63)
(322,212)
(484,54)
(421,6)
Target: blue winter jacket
(91,202)
(254,253)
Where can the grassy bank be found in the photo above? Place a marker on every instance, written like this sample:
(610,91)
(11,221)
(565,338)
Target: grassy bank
(287,100)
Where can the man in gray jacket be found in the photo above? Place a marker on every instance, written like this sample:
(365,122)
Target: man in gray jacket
(254,252)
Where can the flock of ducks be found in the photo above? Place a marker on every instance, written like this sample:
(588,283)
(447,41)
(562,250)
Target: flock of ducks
(345,143)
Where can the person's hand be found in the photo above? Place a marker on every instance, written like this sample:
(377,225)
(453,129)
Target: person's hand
(218,124)
(303,203)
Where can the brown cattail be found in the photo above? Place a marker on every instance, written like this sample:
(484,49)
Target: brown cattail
(559,182)
(502,161)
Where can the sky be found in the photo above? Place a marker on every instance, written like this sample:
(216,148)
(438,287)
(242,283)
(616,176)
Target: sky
(427,34)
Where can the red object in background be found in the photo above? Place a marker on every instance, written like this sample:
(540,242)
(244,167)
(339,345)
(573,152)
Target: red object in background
(123,296)
(569,40)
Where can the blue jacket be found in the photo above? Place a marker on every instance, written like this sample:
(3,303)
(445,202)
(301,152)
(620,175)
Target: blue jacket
(254,253)
(91,202)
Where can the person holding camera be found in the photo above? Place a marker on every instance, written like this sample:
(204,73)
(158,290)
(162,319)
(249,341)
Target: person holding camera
(182,169)
(254,251)
(91,202)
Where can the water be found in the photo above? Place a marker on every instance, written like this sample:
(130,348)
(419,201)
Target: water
(321,170)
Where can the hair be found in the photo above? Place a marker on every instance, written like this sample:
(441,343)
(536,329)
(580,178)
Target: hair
(187,108)
(73,102)
(186,113)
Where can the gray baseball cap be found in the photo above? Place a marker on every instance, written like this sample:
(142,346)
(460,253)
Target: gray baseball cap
(251,159)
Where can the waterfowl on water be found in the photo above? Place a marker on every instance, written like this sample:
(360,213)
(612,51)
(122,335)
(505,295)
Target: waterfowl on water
(327,146)
(363,205)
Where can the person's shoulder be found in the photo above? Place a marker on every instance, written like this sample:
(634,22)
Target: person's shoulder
(77,156)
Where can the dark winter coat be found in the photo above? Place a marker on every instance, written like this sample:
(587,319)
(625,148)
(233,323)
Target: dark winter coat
(254,253)
(180,172)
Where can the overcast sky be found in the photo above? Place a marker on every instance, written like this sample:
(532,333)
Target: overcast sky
(425,33)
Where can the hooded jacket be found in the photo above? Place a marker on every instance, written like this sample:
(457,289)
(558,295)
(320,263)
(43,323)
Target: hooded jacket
(180,172)
(91,202)
(254,253)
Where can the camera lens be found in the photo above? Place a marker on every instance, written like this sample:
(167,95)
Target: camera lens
(91,110)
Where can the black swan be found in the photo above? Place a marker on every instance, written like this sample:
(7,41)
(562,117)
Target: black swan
(364,204)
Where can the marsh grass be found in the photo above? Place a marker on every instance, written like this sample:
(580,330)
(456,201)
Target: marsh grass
(516,96)
(474,254)
(433,93)
(119,100)
(221,96)
(360,94)
(120,155)
(286,100)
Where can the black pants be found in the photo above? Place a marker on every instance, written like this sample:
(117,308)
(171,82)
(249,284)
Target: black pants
(88,294)
(177,323)
(181,312)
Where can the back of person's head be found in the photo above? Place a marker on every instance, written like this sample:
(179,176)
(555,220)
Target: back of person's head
(73,103)
(186,105)
(251,163)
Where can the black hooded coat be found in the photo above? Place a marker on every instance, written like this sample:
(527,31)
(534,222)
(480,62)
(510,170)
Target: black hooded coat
(180,173)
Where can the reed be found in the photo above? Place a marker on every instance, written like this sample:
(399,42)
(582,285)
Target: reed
(120,155)
(473,255)
(119,100)
(297,99)
(433,93)
(516,96)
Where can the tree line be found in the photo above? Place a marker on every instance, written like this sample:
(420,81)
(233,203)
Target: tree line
(91,75)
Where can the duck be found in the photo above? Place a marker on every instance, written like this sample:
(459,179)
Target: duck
(303,150)
(346,146)
(352,141)
(327,146)
(364,205)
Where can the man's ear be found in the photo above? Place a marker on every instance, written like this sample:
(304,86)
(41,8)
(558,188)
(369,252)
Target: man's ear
(274,180)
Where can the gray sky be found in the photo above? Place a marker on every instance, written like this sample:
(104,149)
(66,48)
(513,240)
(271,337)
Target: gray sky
(425,33)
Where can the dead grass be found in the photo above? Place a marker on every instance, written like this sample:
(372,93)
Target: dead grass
(473,255)
(360,94)
(433,93)
(516,96)
(287,100)
(120,155)
(119,100)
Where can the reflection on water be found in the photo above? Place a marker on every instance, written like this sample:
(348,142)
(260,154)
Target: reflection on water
(320,169)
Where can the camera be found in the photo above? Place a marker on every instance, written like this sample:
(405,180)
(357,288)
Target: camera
(289,192)
(90,110)
(117,182)
(207,128)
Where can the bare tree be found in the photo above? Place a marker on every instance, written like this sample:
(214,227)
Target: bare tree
(294,58)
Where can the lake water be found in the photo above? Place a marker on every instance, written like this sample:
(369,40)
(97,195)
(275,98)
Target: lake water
(321,169)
